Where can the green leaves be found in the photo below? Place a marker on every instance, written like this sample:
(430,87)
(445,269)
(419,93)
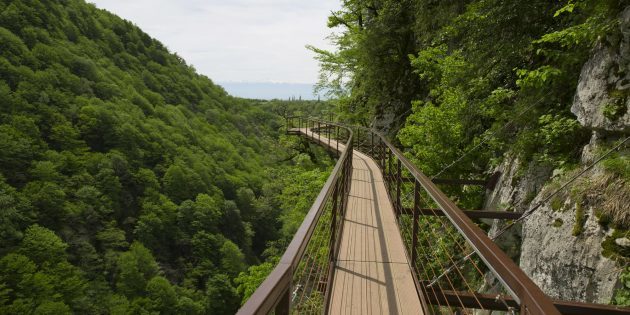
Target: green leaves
(537,79)
(249,280)
(233,260)
(38,278)
(135,268)
(622,294)
(107,140)
(162,295)
(42,245)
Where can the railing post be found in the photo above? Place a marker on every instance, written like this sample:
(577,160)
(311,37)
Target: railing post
(333,225)
(382,156)
(337,137)
(398,183)
(390,172)
(416,211)
(284,305)
(328,134)
(319,132)
(371,143)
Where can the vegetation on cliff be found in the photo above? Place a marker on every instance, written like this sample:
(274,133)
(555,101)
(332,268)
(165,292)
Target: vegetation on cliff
(456,76)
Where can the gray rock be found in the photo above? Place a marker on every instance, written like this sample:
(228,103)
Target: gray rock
(513,192)
(608,69)
(566,266)
(623,242)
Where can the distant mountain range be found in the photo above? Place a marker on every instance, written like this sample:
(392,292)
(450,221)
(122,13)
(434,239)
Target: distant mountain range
(270,90)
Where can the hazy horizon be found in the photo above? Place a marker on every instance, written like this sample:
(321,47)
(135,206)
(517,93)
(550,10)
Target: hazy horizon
(271,90)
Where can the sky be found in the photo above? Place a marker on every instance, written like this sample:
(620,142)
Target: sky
(236,40)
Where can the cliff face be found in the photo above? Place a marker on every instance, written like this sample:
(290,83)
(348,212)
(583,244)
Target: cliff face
(601,100)
(561,243)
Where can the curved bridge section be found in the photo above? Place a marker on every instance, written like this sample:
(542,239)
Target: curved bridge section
(382,238)
(371,270)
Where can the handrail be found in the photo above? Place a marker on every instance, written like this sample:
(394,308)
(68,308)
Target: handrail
(275,291)
(524,292)
(521,287)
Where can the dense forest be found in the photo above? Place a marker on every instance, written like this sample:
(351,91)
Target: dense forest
(466,88)
(130,184)
(463,70)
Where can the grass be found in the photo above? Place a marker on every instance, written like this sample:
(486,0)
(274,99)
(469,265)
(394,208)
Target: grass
(602,219)
(580,219)
(611,198)
(557,203)
(618,164)
(608,193)
(616,108)
(557,223)
(611,250)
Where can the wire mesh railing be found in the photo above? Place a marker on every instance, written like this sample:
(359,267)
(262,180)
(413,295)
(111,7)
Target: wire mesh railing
(300,283)
(439,236)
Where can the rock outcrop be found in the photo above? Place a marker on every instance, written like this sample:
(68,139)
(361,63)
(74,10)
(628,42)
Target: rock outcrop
(564,265)
(602,99)
(560,244)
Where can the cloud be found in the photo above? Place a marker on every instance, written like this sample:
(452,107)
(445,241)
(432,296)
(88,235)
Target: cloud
(236,40)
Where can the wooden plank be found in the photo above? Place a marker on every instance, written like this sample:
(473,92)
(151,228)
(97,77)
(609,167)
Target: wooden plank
(372,275)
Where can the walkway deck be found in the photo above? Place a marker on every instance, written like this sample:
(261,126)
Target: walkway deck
(372,274)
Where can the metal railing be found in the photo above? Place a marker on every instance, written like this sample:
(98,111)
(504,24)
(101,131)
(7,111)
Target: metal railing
(300,281)
(455,263)
(457,268)
(438,236)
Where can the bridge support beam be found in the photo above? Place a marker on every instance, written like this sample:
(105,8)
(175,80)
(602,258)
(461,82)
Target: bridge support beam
(473,214)
(489,183)
(502,303)
(284,305)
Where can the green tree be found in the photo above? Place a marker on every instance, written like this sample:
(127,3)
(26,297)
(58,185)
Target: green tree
(162,295)
(221,296)
(251,279)
(52,308)
(42,245)
(233,261)
(135,268)
(182,183)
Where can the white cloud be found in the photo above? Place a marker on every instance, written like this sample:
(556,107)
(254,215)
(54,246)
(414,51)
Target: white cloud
(236,40)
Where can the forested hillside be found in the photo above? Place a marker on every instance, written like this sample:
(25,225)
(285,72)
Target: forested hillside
(463,69)
(534,90)
(128,182)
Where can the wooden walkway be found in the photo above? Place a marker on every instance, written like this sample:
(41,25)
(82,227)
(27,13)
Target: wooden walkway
(372,274)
